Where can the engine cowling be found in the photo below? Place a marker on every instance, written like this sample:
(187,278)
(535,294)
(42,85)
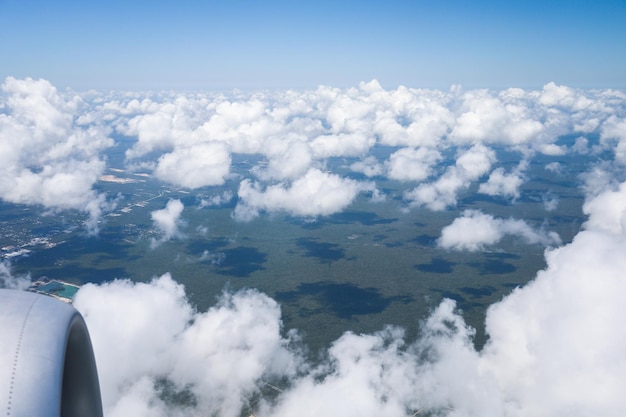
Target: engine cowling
(47,365)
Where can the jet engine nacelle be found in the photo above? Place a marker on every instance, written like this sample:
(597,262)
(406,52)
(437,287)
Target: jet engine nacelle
(47,366)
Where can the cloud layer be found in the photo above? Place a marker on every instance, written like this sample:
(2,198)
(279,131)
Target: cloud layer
(46,157)
(56,143)
(556,346)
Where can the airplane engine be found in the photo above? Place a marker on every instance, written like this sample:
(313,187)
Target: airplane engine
(47,365)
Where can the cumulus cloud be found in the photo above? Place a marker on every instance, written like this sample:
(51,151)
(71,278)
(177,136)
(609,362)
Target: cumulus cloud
(613,131)
(412,117)
(190,139)
(196,166)
(550,202)
(368,166)
(470,165)
(216,199)
(408,164)
(287,159)
(10,281)
(487,119)
(607,211)
(556,346)
(317,193)
(167,221)
(191,363)
(475,230)
(354,144)
(46,158)
(504,184)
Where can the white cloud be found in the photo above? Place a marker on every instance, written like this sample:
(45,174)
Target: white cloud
(10,281)
(413,118)
(487,119)
(317,193)
(470,165)
(408,164)
(551,149)
(365,375)
(167,221)
(503,184)
(562,96)
(614,130)
(554,167)
(550,202)
(45,157)
(287,159)
(475,230)
(196,166)
(353,144)
(368,166)
(581,146)
(216,199)
(607,211)
(149,342)
(556,346)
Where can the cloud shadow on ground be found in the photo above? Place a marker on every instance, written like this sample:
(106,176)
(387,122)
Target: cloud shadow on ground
(344,300)
(437,266)
(324,251)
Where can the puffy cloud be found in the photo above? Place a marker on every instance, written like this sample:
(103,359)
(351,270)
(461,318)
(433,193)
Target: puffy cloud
(287,159)
(554,167)
(294,131)
(607,211)
(217,199)
(550,202)
(474,230)
(487,119)
(196,166)
(556,346)
(581,145)
(470,165)
(317,193)
(551,149)
(191,363)
(167,221)
(10,281)
(354,144)
(368,166)
(408,164)
(46,158)
(412,117)
(562,96)
(503,184)
(369,375)
(547,342)
(614,129)
(163,126)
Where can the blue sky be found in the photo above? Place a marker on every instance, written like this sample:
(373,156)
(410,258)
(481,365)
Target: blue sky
(301,44)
